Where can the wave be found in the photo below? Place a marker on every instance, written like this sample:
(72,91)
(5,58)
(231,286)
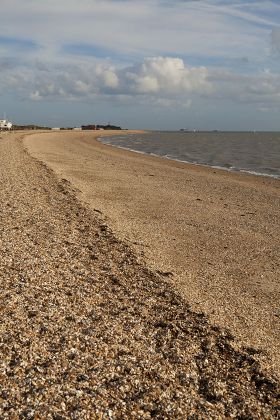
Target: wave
(226,167)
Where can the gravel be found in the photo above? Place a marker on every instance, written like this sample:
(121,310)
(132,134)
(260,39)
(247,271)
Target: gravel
(87,331)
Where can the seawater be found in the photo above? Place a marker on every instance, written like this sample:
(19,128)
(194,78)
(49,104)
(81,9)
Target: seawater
(257,153)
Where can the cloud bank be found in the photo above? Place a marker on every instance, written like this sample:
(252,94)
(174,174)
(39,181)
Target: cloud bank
(161,77)
(160,80)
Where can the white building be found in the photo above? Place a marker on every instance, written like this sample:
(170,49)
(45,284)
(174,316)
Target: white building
(5,125)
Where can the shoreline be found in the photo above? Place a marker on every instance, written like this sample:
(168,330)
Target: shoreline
(214,230)
(222,168)
(87,330)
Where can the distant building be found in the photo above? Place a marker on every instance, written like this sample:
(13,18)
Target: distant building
(56,128)
(77,128)
(89,127)
(5,125)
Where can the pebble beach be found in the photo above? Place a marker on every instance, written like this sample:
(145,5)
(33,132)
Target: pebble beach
(96,325)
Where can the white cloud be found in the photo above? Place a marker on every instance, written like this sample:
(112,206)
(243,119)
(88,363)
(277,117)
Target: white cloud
(167,75)
(81,87)
(163,78)
(107,76)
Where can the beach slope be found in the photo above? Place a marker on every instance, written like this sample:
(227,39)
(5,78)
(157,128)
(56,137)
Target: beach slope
(88,331)
(215,232)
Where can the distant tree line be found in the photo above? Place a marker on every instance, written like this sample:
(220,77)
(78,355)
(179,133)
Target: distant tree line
(100,127)
(29,127)
(84,127)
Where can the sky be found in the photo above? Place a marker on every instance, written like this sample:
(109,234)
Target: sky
(143,64)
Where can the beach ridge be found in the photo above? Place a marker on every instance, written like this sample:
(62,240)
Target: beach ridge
(215,231)
(87,329)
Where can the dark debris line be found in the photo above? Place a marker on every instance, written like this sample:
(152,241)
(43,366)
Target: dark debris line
(86,331)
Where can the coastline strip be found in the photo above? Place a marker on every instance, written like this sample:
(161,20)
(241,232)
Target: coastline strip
(216,232)
(87,331)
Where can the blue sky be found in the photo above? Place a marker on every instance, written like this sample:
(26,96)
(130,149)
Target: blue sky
(156,64)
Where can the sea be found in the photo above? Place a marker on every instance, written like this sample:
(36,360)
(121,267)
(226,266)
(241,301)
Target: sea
(257,153)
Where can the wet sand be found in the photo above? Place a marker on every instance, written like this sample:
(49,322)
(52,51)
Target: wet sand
(216,232)
(86,329)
